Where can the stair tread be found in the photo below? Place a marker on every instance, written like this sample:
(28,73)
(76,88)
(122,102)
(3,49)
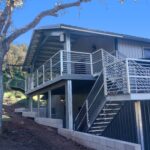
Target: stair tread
(109,118)
(95,131)
(99,123)
(98,127)
(109,109)
(103,114)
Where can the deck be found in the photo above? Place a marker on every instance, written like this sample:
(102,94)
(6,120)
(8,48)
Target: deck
(64,66)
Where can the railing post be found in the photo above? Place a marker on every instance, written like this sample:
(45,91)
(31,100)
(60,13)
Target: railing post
(37,77)
(25,83)
(32,81)
(51,70)
(43,74)
(87,113)
(128,76)
(91,61)
(104,72)
(61,63)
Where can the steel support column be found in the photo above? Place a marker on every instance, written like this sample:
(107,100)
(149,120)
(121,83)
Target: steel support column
(30,103)
(69,108)
(49,104)
(139,123)
(38,105)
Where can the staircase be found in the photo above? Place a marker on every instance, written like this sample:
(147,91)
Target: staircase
(97,113)
(105,117)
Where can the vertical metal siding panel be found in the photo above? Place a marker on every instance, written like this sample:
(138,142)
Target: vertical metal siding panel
(130,48)
(145,105)
(123,127)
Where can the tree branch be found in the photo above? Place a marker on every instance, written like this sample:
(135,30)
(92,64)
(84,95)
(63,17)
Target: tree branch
(4,18)
(7,23)
(50,12)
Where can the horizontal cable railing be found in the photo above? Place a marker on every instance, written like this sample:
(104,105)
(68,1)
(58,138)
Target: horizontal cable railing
(65,63)
(139,75)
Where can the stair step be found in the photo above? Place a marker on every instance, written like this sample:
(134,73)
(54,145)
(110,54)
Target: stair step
(109,109)
(107,114)
(100,123)
(113,104)
(98,127)
(92,131)
(109,118)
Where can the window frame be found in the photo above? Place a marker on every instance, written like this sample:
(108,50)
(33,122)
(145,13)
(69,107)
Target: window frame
(145,48)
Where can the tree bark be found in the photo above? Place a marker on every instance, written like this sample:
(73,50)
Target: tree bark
(1,85)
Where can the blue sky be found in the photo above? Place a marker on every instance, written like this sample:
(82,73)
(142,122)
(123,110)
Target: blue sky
(131,18)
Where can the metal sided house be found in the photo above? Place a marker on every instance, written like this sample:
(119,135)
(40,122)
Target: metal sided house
(91,81)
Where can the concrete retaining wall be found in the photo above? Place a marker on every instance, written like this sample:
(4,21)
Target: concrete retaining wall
(29,114)
(20,110)
(97,142)
(56,123)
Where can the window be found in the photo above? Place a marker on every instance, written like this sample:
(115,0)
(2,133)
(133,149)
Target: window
(146,53)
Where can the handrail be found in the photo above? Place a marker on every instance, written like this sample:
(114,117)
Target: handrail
(91,98)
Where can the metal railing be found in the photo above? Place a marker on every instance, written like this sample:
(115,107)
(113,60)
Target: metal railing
(91,106)
(139,75)
(65,63)
(125,76)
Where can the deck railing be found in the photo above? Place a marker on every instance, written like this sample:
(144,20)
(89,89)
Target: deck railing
(121,76)
(127,76)
(65,63)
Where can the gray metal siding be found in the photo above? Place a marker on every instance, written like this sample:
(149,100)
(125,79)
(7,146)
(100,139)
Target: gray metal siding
(132,49)
(123,127)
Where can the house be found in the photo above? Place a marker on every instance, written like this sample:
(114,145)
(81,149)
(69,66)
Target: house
(91,81)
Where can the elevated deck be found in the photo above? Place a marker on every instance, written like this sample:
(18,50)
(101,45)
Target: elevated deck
(64,66)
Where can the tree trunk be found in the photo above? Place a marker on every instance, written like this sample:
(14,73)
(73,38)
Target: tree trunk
(1,96)
(1,84)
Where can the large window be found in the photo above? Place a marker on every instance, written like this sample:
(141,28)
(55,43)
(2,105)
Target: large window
(146,53)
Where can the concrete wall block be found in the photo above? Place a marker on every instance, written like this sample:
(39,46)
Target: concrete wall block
(20,110)
(56,123)
(29,114)
(97,142)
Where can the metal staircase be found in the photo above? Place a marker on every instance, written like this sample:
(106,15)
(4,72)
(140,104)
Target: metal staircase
(105,117)
(97,113)
(119,77)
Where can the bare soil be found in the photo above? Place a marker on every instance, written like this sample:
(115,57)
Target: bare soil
(24,134)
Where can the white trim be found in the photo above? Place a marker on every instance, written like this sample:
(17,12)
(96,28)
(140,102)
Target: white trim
(94,32)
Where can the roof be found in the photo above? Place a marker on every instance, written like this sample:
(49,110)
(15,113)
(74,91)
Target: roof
(37,37)
(93,31)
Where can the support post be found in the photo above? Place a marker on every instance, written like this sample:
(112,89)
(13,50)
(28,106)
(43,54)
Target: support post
(68,49)
(38,105)
(69,109)
(43,74)
(128,77)
(139,123)
(30,103)
(61,63)
(49,104)
(91,61)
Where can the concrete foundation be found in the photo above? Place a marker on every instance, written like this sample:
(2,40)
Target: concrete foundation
(29,114)
(55,123)
(20,110)
(97,142)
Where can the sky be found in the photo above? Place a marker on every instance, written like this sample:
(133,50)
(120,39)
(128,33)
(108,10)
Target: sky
(132,17)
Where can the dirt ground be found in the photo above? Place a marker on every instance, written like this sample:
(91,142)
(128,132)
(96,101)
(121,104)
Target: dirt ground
(23,134)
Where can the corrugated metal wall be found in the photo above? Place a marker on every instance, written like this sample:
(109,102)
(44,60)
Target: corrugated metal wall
(145,106)
(123,127)
(131,49)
